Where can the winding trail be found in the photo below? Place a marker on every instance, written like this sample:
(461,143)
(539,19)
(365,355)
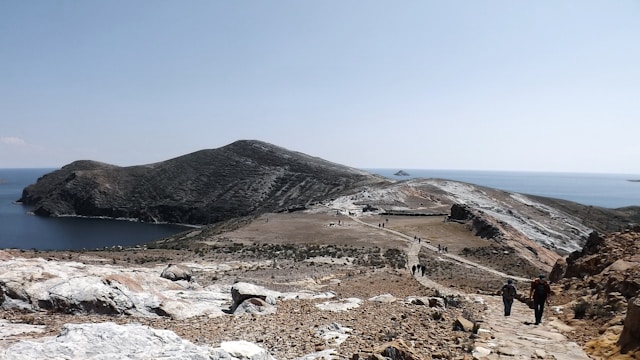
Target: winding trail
(415,249)
(503,337)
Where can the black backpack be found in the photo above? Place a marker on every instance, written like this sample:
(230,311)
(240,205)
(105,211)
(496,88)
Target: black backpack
(509,291)
(541,289)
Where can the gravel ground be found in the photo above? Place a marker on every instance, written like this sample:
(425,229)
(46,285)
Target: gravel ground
(352,261)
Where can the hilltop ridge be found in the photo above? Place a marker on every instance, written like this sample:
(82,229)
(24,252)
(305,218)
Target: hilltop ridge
(243,178)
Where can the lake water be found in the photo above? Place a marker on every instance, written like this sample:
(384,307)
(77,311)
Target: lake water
(23,231)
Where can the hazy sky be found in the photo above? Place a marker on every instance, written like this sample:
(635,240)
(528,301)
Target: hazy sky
(488,85)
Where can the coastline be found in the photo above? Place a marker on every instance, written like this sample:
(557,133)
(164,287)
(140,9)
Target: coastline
(133,220)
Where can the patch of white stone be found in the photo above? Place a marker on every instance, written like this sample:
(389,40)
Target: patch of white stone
(108,340)
(333,334)
(340,305)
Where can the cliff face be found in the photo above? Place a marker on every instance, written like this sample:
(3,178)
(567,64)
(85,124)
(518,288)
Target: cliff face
(243,178)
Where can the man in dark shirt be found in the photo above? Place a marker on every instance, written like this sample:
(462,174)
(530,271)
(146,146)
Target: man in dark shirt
(540,293)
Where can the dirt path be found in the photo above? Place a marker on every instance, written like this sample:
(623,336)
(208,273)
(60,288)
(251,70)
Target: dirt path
(415,249)
(515,336)
(503,337)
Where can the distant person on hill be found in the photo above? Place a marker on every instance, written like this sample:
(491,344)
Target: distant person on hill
(422,269)
(413,270)
(509,293)
(540,293)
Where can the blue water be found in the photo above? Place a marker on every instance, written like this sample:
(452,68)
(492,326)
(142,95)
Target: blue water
(22,231)
(605,190)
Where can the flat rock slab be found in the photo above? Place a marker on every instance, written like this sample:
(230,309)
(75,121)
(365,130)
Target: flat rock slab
(111,341)
(340,305)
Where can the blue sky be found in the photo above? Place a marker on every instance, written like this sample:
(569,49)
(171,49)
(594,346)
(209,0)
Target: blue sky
(486,85)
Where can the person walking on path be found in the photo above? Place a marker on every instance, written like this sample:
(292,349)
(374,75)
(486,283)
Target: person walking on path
(509,293)
(540,293)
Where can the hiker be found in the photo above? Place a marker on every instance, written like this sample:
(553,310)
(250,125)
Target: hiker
(540,293)
(423,268)
(439,248)
(509,293)
(413,270)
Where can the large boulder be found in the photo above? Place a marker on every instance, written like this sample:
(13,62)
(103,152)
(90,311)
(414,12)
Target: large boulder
(460,212)
(482,226)
(630,337)
(242,291)
(254,306)
(176,272)
(558,271)
(88,294)
(589,260)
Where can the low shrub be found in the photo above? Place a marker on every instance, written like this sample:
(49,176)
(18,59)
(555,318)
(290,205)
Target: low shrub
(580,309)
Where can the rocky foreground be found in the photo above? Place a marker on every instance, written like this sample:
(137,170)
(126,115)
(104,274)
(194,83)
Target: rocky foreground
(340,311)
(126,312)
(96,305)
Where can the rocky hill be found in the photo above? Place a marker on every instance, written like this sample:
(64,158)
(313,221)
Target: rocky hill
(601,286)
(208,186)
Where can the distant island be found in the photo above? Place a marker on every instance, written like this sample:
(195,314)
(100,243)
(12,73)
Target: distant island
(401,173)
(637,180)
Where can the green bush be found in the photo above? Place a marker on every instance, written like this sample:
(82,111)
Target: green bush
(580,309)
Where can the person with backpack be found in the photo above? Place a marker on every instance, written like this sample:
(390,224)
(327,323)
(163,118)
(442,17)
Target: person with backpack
(540,293)
(508,294)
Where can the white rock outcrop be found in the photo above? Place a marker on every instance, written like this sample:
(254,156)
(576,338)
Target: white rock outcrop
(340,305)
(132,341)
(77,288)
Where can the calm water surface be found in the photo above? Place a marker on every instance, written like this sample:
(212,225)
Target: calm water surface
(22,231)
